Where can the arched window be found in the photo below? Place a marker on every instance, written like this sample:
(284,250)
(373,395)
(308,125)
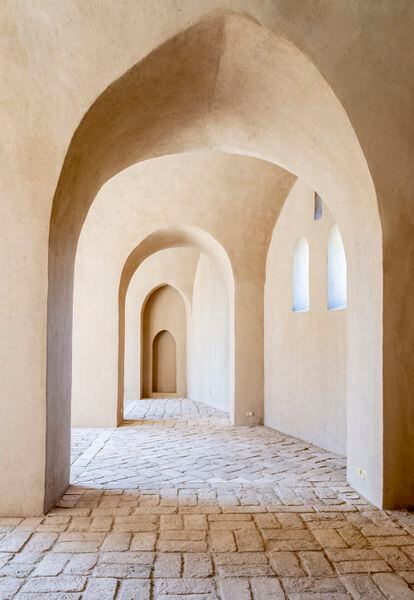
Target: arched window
(300,276)
(336,271)
(318,208)
(164,363)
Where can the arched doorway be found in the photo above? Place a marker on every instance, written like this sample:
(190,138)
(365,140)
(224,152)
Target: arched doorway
(254,115)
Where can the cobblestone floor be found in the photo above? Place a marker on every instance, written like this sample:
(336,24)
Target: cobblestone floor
(179,409)
(178,504)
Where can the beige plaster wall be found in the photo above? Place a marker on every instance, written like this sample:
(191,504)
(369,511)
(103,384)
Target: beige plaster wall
(164,310)
(209,378)
(305,352)
(56,58)
(174,266)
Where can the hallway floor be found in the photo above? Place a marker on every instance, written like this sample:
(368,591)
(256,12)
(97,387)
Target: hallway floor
(177,503)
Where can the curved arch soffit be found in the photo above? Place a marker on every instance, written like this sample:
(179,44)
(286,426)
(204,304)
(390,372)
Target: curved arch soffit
(157,287)
(174,237)
(226,83)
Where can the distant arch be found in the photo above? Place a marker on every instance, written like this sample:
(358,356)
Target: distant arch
(163,365)
(336,271)
(161,239)
(300,276)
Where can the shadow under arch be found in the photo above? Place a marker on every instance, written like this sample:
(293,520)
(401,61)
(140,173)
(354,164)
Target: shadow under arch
(172,237)
(230,84)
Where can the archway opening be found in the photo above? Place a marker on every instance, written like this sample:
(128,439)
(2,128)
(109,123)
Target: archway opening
(198,297)
(254,115)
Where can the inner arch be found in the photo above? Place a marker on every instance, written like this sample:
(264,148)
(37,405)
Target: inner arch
(173,237)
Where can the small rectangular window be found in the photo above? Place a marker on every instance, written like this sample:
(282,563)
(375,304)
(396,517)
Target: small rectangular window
(318,207)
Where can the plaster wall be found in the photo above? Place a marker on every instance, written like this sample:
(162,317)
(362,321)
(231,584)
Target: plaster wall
(85,47)
(209,379)
(174,266)
(164,311)
(305,352)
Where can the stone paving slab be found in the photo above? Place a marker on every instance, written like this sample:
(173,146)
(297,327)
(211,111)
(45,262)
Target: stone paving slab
(178,504)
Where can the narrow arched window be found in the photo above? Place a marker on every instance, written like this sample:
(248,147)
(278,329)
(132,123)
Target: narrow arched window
(300,276)
(318,208)
(337,294)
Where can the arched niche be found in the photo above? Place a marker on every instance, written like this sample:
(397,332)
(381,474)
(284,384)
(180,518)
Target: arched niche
(164,364)
(230,84)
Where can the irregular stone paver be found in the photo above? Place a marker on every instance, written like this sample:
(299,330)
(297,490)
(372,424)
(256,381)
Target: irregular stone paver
(177,503)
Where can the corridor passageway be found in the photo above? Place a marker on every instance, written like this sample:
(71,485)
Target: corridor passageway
(207,366)
(178,503)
